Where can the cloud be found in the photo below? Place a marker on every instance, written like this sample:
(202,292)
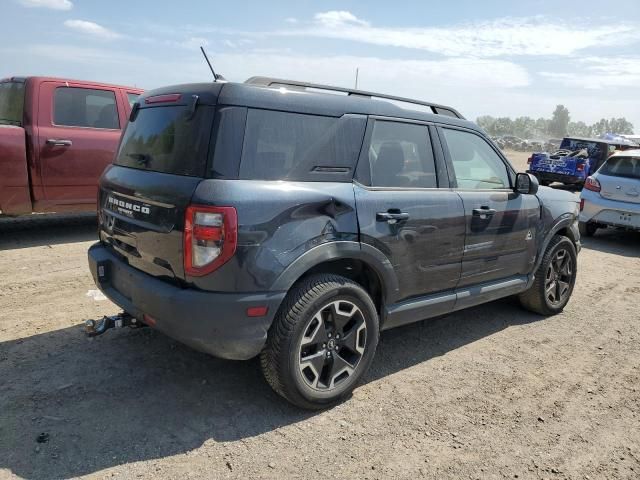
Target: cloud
(52,4)
(597,73)
(91,28)
(194,42)
(291,20)
(339,18)
(500,37)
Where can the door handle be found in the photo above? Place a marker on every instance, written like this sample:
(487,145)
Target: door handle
(484,212)
(392,217)
(59,143)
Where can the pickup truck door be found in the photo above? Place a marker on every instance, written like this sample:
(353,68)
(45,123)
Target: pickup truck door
(500,224)
(78,133)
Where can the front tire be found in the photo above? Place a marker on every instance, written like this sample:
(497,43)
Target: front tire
(322,341)
(554,279)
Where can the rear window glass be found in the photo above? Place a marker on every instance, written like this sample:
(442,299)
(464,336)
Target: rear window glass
(293,146)
(622,167)
(11,103)
(168,140)
(85,107)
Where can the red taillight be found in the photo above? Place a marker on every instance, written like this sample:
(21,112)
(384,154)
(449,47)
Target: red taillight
(257,311)
(169,97)
(580,167)
(530,159)
(210,238)
(581,204)
(592,184)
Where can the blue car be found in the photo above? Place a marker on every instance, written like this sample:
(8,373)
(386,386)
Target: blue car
(575,160)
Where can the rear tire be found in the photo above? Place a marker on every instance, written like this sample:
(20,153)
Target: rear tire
(587,229)
(554,279)
(321,342)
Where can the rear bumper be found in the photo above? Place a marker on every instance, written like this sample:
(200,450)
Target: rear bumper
(609,212)
(556,177)
(212,322)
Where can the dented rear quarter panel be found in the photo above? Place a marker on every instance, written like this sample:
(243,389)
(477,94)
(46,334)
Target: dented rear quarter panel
(278,221)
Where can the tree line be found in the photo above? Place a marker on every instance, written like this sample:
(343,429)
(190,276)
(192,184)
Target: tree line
(558,126)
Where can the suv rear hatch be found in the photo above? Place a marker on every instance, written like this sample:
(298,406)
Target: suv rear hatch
(619,179)
(161,159)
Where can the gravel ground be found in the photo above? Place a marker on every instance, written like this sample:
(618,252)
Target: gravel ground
(491,392)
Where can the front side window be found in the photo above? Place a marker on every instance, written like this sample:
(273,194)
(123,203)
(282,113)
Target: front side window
(300,147)
(85,107)
(476,165)
(400,156)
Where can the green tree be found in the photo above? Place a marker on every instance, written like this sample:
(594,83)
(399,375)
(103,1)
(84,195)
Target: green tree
(560,121)
(524,127)
(487,123)
(579,129)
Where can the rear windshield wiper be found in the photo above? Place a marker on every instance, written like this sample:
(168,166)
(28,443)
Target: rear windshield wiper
(141,158)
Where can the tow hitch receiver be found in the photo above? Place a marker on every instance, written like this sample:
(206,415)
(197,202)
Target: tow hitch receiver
(93,328)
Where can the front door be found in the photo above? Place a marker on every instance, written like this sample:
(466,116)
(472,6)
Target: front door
(79,130)
(500,223)
(403,213)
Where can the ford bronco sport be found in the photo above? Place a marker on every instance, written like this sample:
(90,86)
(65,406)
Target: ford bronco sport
(274,218)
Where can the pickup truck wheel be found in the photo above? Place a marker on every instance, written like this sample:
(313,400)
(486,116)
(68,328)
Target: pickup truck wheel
(587,229)
(554,279)
(321,342)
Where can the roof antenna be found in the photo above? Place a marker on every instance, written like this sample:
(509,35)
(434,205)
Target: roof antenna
(215,77)
(357,71)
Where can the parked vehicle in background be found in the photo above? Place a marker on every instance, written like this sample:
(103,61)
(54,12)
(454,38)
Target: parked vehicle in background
(574,161)
(269,218)
(611,196)
(56,138)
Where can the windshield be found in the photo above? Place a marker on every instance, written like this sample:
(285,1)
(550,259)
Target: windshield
(593,148)
(168,140)
(11,103)
(628,167)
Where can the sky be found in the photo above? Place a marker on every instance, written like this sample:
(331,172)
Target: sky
(500,58)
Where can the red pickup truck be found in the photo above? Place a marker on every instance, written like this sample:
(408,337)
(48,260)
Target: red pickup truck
(56,138)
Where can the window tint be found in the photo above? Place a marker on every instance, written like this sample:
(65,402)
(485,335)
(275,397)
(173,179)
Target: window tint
(400,155)
(11,103)
(83,107)
(475,163)
(167,140)
(622,167)
(132,97)
(292,146)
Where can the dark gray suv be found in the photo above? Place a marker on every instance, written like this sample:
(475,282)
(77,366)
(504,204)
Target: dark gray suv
(296,221)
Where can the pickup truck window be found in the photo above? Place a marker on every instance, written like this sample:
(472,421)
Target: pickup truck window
(132,97)
(11,103)
(84,107)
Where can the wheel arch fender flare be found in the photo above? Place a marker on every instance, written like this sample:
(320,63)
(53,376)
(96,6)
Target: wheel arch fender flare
(342,250)
(567,221)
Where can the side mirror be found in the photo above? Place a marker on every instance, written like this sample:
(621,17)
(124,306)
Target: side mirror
(526,183)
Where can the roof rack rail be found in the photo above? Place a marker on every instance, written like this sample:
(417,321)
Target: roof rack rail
(278,82)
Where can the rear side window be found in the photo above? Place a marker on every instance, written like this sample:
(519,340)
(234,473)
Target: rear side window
(132,97)
(11,103)
(168,140)
(85,107)
(400,155)
(299,147)
(628,167)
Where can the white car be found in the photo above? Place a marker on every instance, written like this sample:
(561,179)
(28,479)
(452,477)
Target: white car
(611,196)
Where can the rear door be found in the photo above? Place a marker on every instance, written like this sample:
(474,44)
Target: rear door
(79,129)
(500,223)
(619,179)
(406,210)
(161,159)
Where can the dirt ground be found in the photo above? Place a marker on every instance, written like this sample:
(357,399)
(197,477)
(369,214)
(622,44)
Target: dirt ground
(491,392)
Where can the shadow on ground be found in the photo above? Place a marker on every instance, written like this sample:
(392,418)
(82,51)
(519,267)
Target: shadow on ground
(612,240)
(41,230)
(136,395)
